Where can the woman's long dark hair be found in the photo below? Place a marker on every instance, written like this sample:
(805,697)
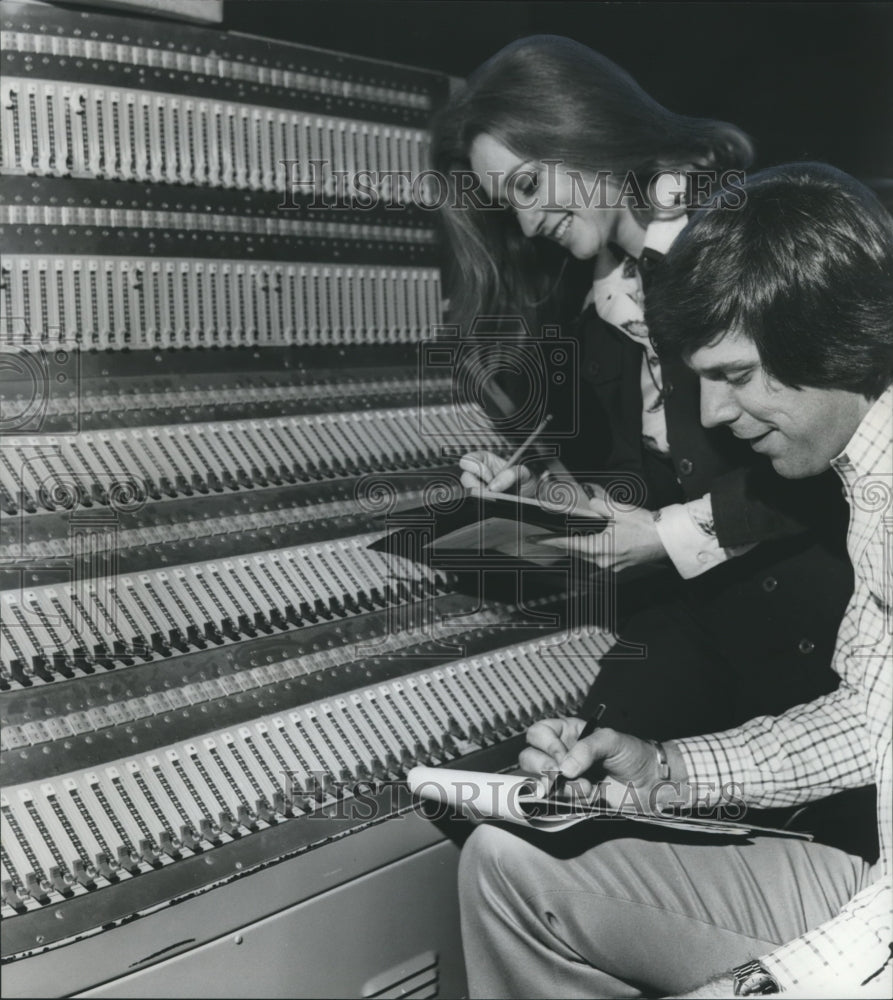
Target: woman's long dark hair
(551,97)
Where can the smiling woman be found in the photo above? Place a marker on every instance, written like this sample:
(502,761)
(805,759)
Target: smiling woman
(549,200)
(550,109)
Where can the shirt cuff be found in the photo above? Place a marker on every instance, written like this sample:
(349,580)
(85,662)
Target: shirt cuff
(692,549)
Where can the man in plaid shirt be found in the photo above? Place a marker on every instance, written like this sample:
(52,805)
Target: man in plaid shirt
(784,308)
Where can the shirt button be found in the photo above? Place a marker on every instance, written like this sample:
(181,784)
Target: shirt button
(805,646)
(703,557)
(769,584)
(686,466)
(593,368)
(668,389)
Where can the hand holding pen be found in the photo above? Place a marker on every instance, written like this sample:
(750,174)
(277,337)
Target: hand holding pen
(482,470)
(554,746)
(564,749)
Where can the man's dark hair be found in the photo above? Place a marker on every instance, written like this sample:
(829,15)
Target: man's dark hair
(802,265)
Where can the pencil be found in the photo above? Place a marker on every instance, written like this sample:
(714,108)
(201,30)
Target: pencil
(592,723)
(525,444)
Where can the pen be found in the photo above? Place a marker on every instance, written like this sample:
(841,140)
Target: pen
(587,730)
(592,723)
(525,444)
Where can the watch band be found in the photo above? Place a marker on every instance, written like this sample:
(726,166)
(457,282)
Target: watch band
(751,979)
(663,765)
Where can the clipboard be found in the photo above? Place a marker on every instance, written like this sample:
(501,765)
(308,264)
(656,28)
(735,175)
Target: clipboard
(491,524)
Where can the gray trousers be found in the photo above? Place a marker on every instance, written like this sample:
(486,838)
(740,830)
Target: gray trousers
(573,915)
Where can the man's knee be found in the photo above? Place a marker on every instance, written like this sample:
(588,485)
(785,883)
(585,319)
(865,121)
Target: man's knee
(492,858)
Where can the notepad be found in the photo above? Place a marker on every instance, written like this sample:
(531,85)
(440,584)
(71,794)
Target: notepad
(523,801)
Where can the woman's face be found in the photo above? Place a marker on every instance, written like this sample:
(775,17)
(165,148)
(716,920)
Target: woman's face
(576,209)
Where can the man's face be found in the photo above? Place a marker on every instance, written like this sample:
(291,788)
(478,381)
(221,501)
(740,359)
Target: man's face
(798,430)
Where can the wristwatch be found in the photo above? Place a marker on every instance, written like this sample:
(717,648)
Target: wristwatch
(751,979)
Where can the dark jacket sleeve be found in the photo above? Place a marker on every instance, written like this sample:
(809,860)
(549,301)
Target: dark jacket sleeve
(756,505)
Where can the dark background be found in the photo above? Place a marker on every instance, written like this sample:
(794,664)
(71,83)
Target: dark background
(806,80)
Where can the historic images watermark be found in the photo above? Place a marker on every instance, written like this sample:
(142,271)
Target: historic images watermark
(318,794)
(327,186)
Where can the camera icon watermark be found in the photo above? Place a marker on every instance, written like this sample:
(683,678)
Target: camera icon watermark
(39,385)
(504,380)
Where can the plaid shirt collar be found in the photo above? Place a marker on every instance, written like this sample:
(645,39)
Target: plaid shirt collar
(870,450)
